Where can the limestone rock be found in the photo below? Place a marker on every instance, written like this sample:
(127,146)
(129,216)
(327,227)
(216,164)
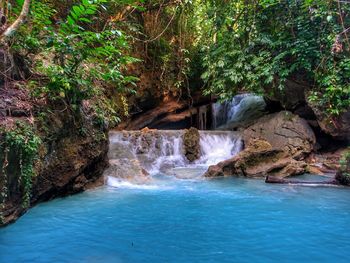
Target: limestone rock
(258,160)
(285,131)
(191,140)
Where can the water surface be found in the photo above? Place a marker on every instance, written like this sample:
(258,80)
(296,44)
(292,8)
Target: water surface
(172,220)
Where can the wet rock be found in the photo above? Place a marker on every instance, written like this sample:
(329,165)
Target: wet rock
(325,162)
(191,139)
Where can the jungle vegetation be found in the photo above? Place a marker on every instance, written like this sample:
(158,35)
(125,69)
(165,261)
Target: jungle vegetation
(79,49)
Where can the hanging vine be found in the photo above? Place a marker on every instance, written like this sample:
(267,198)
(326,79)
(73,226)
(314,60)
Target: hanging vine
(4,189)
(24,143)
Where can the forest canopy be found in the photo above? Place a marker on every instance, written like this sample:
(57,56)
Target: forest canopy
(75,50)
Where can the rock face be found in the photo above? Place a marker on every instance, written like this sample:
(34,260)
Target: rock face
(292,98)
(71,159)
(338,127)
(276,146)
(191,139)
(173,114)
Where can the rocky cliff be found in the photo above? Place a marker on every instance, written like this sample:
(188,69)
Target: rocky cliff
(71,154)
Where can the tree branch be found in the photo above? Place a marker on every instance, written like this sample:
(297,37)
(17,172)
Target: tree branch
(19,21)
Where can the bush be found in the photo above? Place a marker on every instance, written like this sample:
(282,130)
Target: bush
(343,175)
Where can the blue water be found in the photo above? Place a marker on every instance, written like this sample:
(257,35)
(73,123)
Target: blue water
(221,220)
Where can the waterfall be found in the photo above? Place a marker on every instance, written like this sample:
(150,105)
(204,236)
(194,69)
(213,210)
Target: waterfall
(241,109)
(216,147)
(156,151)
(136,156)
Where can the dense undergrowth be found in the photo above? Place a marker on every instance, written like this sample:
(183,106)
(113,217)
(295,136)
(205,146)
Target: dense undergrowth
(78,49)
(256,45)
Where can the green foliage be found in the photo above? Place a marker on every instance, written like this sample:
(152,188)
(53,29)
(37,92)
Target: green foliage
(22,142)
(345,161)
(343,175)
(256,45)
(76,55)
(84,58)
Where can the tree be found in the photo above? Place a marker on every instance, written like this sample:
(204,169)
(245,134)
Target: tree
(11,29)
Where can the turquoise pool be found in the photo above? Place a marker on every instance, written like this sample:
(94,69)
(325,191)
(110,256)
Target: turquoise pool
(220,220)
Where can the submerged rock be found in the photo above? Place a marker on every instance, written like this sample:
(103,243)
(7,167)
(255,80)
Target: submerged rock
(191,141)
(278,180)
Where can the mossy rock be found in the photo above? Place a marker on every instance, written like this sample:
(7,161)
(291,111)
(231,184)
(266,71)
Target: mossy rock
(191,140)
(343,175)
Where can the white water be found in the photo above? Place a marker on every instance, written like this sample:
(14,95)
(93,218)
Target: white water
(242,108)
(218,147)
(120,183)
(162,153)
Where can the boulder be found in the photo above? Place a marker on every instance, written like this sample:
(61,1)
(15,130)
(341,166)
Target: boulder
(338,127)
(191,139)
(284,131)
(258,160)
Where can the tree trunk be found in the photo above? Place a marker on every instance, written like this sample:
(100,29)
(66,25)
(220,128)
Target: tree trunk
(19,21)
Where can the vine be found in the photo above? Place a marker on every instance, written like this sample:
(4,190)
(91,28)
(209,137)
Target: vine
(24,144)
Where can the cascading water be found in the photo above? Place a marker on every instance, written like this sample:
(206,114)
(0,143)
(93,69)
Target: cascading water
(241,109)
(218,146)
(161,152)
